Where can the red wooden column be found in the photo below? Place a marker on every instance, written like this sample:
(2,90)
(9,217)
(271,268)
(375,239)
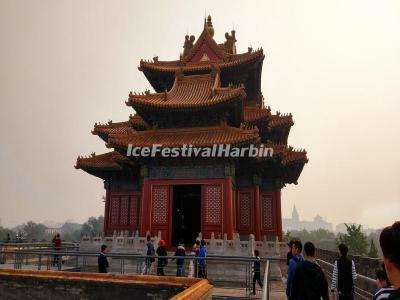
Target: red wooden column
(257,219)
(278,213)
(106,213)
(228,207)
(145,212)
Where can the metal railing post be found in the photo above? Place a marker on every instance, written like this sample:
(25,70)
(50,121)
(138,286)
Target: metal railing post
(83,263)
(266,286)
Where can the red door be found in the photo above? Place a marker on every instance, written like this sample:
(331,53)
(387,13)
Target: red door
(161,210)
(212,208)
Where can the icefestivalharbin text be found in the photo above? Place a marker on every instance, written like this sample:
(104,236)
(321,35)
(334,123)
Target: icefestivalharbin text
(217,150)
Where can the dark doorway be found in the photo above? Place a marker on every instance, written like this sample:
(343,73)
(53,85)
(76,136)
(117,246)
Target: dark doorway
(186,213)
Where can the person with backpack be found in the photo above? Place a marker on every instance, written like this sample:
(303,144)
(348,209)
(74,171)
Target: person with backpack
(309,281)
(343,275)
(149,249)
(297,247)
(162,261)
(180,251)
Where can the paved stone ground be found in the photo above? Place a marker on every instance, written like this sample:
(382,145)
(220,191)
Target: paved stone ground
(277,292)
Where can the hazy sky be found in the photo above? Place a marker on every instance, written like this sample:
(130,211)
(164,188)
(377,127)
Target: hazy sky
(335,65)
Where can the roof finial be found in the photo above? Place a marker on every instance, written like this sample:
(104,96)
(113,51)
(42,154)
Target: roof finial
(209,26)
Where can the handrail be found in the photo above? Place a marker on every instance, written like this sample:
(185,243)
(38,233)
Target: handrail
(127,255)
(357,289)
(265,291)
(38,244)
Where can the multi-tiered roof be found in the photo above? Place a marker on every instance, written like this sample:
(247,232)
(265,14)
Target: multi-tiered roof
(211,95)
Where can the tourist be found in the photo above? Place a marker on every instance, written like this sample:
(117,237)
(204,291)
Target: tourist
(289,255)
(309,281)
(196,250)
(149,250)
(102,260)
(180,251)
(297,247)
(257,271)
(162,261)
(56,246)
(390,245)
(343,275)
(383,284)
(201,262)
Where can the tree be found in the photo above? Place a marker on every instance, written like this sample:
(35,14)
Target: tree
(321,238)
(93,226)
(355,239)
(5,233)
(34,231)
(373,252)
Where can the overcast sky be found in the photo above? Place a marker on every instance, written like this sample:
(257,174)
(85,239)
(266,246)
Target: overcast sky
(335,65)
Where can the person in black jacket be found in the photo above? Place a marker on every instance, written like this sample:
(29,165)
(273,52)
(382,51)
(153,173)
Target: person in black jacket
(102,260)
(180,251)
(390,245)
(309,281)
(343,275)
(162,261)
(257,271)
(289,255)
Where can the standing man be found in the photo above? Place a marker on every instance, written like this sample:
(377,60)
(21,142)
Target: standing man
(56,246)
(202,261)
(162,261)
(343,276)
(180,262)
(309,281)
(149,250)
(297,247)
(390,244)
(102,260)
(289,255)
(257,271)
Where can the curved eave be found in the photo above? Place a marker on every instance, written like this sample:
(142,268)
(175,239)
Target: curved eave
(143,104)
(256,115)
(98,170)
(166,67)
(178,138)
(290,162)
(103,165)
(138,123)
(104,130)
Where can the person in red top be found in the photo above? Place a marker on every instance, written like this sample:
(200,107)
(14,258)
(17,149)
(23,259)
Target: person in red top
(57,246)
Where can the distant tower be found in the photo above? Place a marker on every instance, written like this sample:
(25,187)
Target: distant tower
(295,215)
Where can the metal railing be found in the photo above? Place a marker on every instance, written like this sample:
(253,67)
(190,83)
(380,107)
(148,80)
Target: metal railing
(364,287)
(70,259)
(267,282)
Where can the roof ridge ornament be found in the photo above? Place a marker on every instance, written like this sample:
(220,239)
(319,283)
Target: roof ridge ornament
(230,43)
(209,26)
(188,44)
